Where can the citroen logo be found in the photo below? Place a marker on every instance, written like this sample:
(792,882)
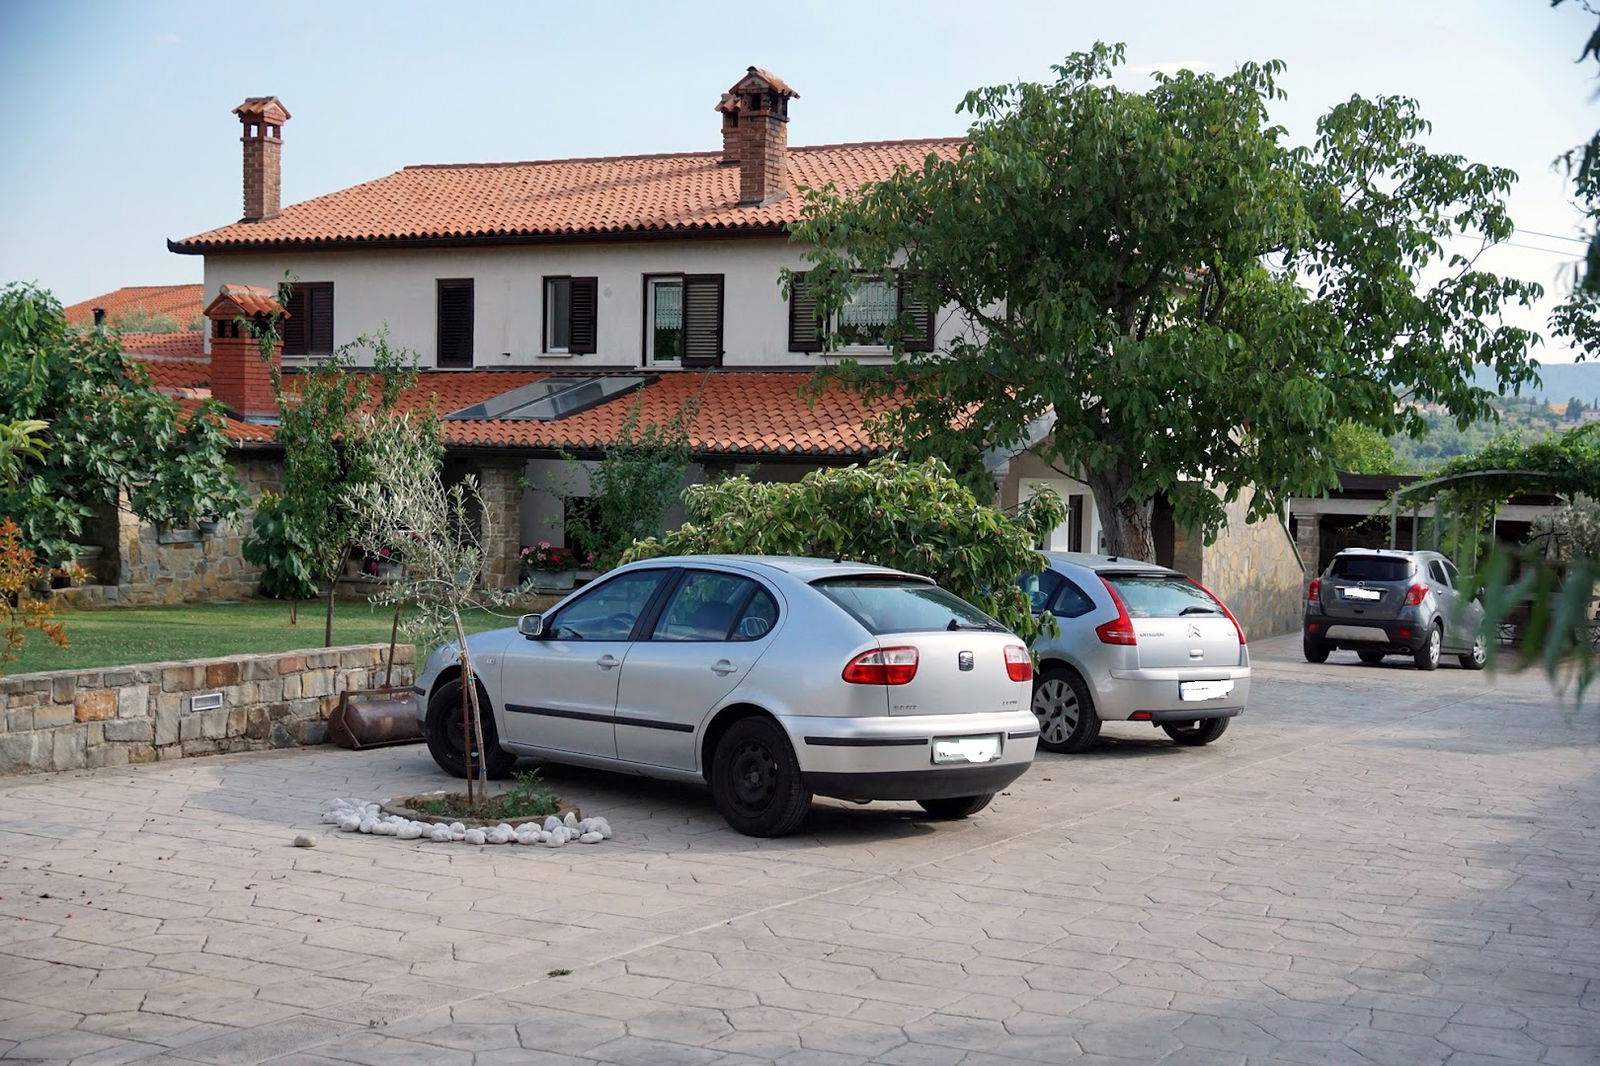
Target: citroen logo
(964,660)
(1194,631)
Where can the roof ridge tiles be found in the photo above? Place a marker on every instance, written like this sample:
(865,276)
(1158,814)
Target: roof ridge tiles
(644,156)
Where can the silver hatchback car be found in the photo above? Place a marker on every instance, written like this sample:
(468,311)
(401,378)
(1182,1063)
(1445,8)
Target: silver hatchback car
(1385,601)
(1138,643)
(770,679)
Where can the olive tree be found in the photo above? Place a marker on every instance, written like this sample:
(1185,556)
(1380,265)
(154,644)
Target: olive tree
(1192,297)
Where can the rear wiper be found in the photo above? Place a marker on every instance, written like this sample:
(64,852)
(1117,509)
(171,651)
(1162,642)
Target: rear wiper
(956,623)
(1197,609)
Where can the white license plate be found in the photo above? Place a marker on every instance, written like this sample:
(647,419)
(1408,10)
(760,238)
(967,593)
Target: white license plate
(1361,594)
(1195,691)
(966,749)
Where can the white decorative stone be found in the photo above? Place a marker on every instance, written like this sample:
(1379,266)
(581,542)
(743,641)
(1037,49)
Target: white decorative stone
(353,815)
(551,822)
(440,833)
(305,841)
(590,837)
(409,831)
(350,823)
(570,821)
(474,836)
(368,824)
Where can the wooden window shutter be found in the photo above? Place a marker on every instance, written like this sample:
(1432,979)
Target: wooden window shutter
(585,313)
(916,318)
(296,340)
(455,322)
(320,328)
(702,320)
(805,328)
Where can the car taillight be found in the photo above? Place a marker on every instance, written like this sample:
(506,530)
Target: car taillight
(1414,594)
(1120,629)
(1314,592)
(886,666)
(1237,628)
(1019,664)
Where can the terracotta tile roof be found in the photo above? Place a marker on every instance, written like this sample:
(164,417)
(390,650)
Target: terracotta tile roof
(754,413)
(235,300)
(565,198)
(181,302)
(188,345)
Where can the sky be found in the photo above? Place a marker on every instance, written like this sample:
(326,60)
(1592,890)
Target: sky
(118,134)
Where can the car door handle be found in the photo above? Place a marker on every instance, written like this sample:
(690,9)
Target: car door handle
(607,661)
(722,668)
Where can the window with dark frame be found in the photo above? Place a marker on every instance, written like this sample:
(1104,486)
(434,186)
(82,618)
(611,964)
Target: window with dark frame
(455,322)
(308,329)
(876,310)
(683,320)
(571,311)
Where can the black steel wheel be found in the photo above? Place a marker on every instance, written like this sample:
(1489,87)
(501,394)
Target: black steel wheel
(956,806)
(756,781)
(447,733)
(1196,733)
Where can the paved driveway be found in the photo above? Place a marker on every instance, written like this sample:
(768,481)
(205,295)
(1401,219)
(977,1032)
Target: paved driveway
(1374,866)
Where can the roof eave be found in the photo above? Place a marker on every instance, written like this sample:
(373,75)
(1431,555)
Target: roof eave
(190,246)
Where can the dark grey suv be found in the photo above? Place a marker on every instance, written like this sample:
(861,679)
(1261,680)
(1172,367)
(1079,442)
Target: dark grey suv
(1379,602)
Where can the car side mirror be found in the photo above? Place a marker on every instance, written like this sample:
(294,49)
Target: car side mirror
(531,626)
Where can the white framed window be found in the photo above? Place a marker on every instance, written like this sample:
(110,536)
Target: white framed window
(864,321)
(663,333)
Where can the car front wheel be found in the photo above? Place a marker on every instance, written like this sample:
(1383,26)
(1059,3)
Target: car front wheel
(447,733)
(1067,719)
(1194,734)
(957,807)
(1427,656)
(756,782)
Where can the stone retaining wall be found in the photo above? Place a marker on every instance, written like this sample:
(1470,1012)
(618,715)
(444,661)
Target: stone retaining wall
(73,719)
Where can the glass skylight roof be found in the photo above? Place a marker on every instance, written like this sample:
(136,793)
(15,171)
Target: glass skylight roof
(549,399)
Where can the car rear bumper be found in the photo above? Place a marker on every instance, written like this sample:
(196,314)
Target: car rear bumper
(1159,694)
(1398,634)
(892,757)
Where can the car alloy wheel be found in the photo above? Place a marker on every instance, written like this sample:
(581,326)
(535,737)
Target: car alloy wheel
(1056,707)
(1427,657)
(1478,656)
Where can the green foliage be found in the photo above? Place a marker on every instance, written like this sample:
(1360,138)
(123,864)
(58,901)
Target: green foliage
(910,516)
(109,432)
(1194,298)
(332,426)
(276,546)
(19,441)
(632,485)
(528,797)
(1359,449)
(138,320)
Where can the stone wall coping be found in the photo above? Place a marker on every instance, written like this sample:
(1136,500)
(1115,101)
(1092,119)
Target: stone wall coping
(404,653)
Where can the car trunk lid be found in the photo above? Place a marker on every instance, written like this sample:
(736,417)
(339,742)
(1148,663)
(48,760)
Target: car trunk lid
(1176,622)
(1366,587)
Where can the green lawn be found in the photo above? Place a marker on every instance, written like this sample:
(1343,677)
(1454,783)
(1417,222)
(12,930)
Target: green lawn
(118,636)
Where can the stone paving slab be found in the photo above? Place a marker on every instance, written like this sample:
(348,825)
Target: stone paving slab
(1374,865)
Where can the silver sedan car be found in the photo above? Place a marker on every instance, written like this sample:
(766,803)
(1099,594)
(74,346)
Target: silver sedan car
(1138,643)
(770,679)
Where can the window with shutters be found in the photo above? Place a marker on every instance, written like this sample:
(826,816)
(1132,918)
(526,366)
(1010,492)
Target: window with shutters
(308,329)
(876,310)
(571,307)
(683,320)
(455,322)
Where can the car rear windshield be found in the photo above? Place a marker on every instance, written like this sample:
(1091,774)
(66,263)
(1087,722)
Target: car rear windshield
(897,605)
(1161,595)
(1371,567)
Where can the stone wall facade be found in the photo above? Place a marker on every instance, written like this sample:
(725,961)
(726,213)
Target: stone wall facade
(1255,568)
(144,565)
(76,719)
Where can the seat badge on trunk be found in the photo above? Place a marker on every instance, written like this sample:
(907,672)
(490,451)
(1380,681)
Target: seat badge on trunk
(964,660)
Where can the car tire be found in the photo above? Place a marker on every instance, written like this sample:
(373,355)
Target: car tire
(1370,657)
(446,733)
(1067,720)
(756,781)
(1315,650)
(1478,656)
(1196,733)
(955,807)
(1427,656)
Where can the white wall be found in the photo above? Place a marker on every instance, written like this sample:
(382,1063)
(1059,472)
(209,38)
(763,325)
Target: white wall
(398,287)
(1028,471)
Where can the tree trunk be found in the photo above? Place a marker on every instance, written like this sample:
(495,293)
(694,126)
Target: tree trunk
(1125,518)
(333,587)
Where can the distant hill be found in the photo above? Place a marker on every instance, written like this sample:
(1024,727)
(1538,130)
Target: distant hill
(1562,381)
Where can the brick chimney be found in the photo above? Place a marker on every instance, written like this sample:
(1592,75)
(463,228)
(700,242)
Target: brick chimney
(240,378)
(262,118)
(755,135)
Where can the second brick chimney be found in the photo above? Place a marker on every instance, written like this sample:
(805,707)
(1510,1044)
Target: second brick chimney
(755,135)
(262,118)
(240,378)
